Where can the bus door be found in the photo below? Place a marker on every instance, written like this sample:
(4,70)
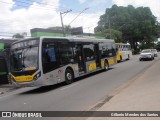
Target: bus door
(81,60)
(3,71)
(97,55)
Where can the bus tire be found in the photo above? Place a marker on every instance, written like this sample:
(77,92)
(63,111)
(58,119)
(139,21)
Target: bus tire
(120,58)
(106,65)
(69,76)
(128,57)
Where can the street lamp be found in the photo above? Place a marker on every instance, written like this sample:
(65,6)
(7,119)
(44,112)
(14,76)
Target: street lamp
(61,13)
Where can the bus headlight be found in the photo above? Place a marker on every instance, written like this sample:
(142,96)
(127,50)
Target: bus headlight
(37,75)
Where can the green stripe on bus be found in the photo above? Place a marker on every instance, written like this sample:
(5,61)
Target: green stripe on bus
(3,73)
(1,46)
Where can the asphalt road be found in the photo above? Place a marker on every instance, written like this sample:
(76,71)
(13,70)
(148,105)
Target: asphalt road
(83,94)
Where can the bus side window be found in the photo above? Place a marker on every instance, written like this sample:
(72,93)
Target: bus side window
(121,48)
(103,50)
(65,53)
(109,50)
(89,52)
(114,49)
(49,57)
(77,53)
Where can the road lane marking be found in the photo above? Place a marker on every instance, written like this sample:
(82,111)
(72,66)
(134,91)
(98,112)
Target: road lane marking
(69,86)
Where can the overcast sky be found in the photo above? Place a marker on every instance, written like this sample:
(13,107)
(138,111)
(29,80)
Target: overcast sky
(17,16)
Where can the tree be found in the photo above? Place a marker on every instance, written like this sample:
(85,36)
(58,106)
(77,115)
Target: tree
(111,33)
(158,45)
(136,25)
(20,35)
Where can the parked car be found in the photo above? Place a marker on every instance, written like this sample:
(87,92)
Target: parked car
(154,52)
(146,54)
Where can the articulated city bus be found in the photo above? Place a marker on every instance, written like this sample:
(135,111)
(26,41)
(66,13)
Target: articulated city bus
(124,52)
(46,60)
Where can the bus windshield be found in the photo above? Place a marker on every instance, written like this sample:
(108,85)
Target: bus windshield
(24,59)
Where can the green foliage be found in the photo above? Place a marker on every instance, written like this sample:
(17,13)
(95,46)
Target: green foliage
(1,46)
(115,34)
(129,24)
(158,46)
(20,35)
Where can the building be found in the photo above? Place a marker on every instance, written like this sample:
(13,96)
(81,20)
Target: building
(37,32)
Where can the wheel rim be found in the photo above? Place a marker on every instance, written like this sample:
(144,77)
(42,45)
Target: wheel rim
(69,76)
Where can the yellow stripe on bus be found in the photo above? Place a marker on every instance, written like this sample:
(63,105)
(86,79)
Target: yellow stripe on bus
(92,66)
(111,61)
(118,55)
(102,63)
(27,78)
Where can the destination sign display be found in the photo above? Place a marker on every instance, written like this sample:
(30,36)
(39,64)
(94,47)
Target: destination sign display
(25,44)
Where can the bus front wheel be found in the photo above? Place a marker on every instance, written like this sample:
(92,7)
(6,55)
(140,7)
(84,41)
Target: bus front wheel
(68,76)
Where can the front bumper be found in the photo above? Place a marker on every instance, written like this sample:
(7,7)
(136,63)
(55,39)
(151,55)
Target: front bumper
(27,84)
(145,57)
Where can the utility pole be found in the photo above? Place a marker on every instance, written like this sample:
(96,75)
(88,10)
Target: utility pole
(61,13)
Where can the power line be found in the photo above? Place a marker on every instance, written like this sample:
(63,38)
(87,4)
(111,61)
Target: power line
(78,15)
(11,20)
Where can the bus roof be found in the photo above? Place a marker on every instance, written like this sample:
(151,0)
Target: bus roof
(69,39)
(122,43)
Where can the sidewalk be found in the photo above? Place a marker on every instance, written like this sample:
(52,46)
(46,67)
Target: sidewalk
(5,88)
(142,94)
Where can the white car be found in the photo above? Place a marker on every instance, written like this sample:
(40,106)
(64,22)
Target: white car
(154,52)
(146,54)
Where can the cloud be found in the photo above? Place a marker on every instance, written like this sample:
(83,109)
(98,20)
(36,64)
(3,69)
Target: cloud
(48,15)
(87,20)
(82,1)
(153,4)
(97,2)
(41,16)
